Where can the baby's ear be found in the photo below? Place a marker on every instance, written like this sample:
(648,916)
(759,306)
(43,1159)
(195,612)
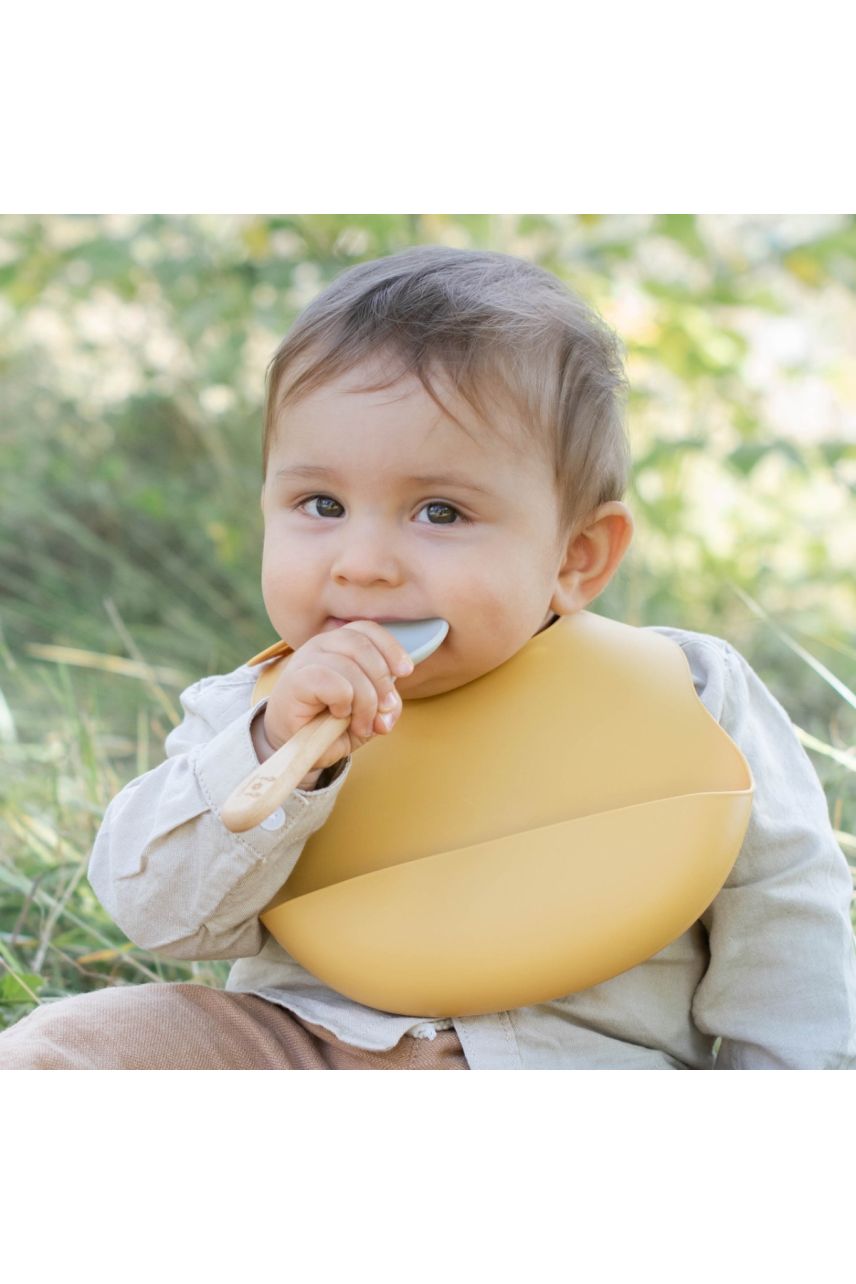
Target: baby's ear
(593,557)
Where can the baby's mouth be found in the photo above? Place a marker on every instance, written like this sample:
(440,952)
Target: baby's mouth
(334,622)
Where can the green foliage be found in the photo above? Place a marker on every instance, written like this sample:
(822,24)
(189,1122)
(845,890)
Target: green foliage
(133,352)
(19,988)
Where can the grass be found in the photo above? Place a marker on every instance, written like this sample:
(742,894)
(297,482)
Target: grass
(59,776)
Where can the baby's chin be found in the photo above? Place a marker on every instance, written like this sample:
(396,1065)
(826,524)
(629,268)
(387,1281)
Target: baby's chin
(431,687)
(422,685)
(451,674)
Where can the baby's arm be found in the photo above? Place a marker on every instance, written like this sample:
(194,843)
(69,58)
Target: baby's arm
(781,984)
(164,865)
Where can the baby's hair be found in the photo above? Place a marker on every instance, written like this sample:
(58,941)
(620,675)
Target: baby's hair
(502,331)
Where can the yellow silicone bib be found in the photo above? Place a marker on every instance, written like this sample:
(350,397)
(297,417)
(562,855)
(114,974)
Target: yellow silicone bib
(529,834)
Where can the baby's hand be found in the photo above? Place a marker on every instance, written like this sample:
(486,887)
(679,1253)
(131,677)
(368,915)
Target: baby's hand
(350,671)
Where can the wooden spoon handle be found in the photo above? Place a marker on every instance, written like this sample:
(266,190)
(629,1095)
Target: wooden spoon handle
(272,781)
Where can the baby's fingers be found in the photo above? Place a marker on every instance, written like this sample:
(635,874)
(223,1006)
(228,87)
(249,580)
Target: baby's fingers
(388,712)
(321,685)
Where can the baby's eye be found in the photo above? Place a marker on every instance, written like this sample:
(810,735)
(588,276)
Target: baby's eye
(449,508)
(325,499)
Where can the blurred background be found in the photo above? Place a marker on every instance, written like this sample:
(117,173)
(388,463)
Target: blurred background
(132,358)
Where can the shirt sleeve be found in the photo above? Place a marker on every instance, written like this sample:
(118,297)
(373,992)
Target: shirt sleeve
(780,987)
(164,865)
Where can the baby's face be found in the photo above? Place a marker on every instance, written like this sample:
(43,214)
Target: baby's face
(366,539)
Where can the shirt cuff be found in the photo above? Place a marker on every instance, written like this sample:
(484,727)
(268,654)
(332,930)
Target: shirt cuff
(225,761)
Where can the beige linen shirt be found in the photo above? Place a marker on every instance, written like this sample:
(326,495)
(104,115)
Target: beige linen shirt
(765,979)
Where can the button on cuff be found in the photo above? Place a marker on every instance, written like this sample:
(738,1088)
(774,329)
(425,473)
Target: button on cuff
(275,820)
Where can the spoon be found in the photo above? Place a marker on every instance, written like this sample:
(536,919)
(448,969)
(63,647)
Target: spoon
(272,781)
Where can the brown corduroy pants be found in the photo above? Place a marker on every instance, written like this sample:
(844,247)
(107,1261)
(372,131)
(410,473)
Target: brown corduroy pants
(181,1026)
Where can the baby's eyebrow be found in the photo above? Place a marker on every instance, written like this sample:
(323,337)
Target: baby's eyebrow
(423,479)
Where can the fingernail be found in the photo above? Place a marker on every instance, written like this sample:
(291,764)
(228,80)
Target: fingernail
(404,667)
(387,720)
(389,701)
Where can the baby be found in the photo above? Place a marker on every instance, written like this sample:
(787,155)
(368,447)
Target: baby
(444,438)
